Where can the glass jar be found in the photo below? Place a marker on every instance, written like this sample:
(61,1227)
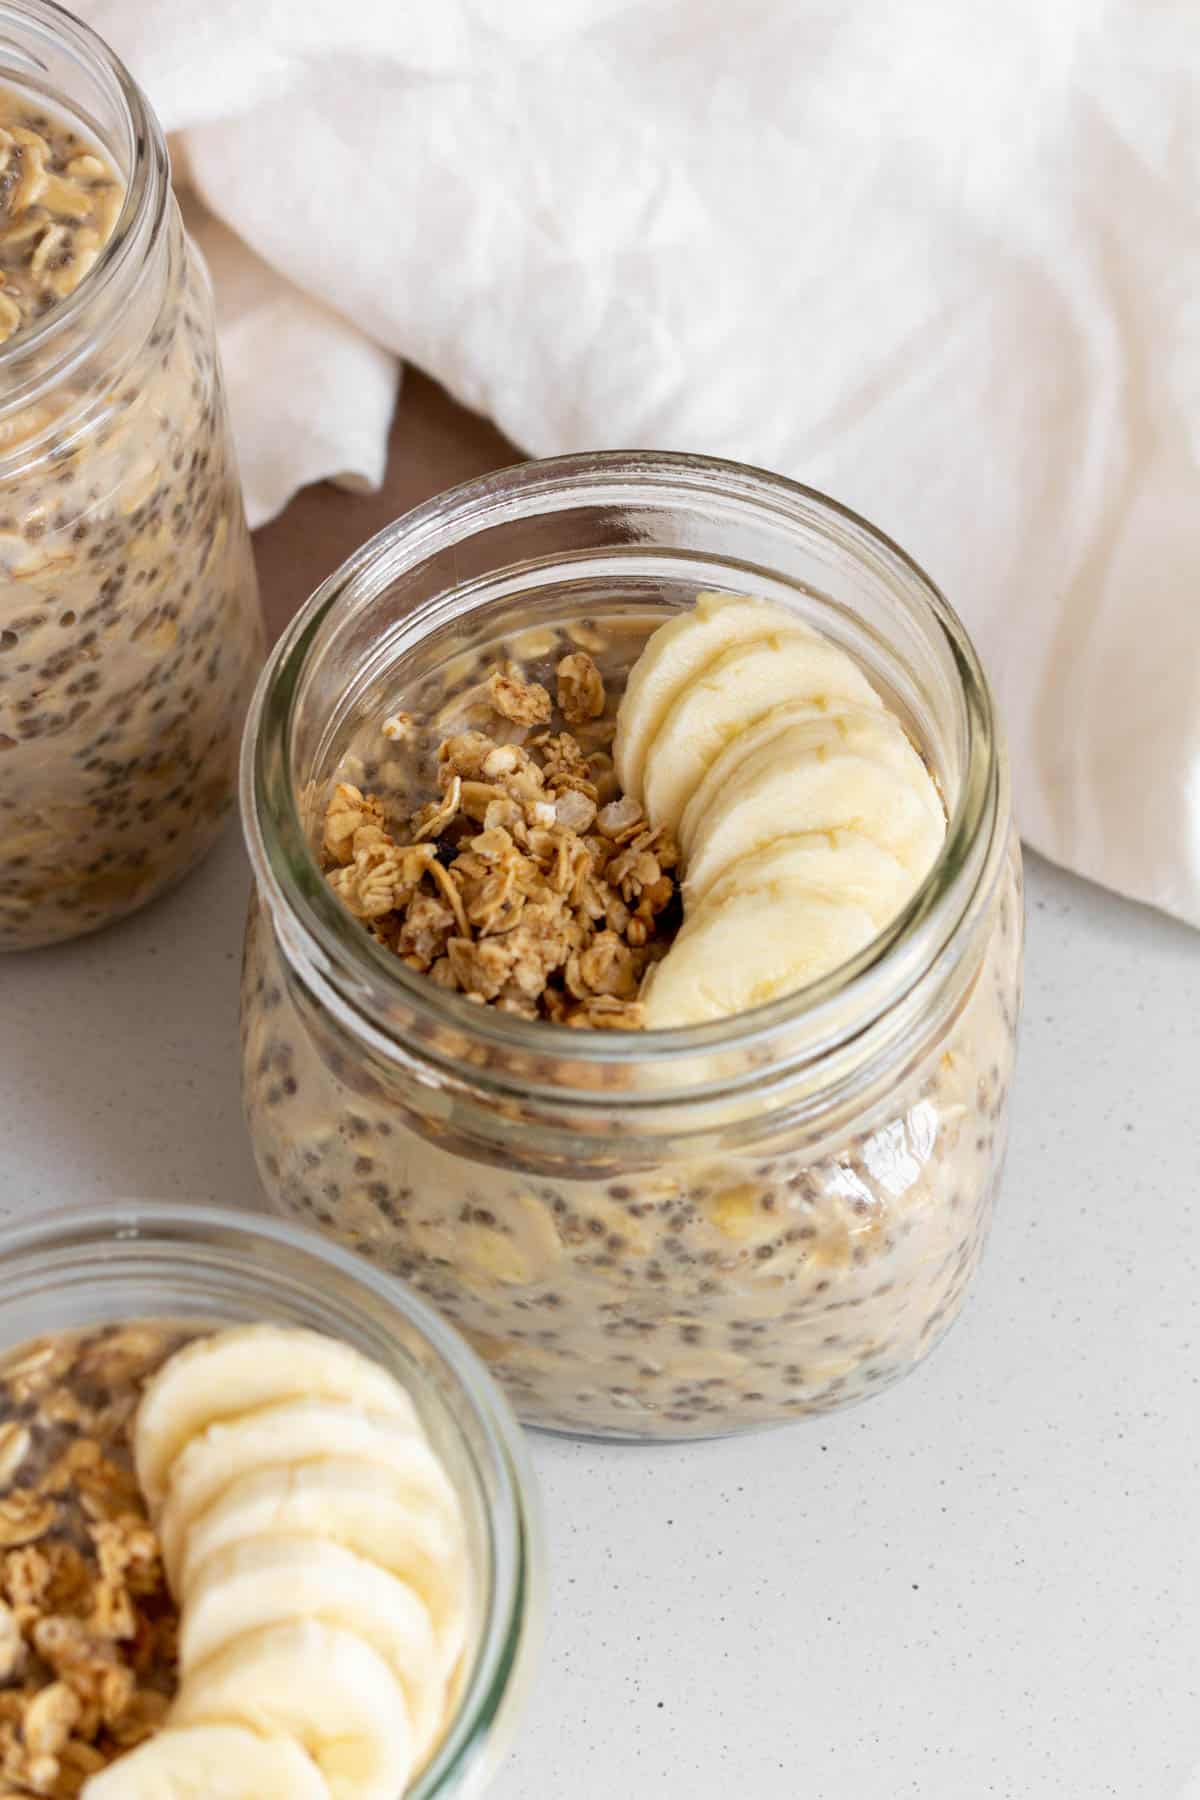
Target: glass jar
(120,1263)
(130,633)
(657,1234)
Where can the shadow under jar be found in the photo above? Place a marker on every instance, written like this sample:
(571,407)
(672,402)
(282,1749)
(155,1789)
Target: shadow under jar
(658,1234)
(130,633)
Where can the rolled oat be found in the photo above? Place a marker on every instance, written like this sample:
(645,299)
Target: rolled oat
(59,202)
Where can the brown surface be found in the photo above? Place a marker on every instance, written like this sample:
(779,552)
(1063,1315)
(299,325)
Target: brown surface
(434,445)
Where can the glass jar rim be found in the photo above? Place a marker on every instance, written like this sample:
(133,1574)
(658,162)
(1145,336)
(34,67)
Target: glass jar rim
(356,974)
(85,1230)
(42,353)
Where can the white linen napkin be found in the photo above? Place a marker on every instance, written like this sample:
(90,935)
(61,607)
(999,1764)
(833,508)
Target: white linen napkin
(939,260)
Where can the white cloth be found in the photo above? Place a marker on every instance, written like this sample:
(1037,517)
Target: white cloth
(938,259)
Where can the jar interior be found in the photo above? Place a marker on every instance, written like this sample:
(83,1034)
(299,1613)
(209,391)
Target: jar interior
(47,59)
(84,339)
(415,644)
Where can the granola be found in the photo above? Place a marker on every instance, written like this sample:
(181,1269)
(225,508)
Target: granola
(515,886)
(87,1627)
(524,702)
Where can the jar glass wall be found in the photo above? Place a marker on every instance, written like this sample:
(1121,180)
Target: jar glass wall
(123,1263)
(130,633)
(660,1234)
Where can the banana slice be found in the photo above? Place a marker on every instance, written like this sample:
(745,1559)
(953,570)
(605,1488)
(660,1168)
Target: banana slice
(269,1580)
(376,1512)
(850,769)
(211,1762)
(294,1431)
(805,817)
(835,716)
(240,1370)
(752,948)
(319,1685)
(731,693)
(675,653)
(831,865)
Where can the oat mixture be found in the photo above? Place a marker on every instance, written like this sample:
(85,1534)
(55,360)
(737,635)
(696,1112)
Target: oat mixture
(59,201)
(87,1627)
(622,1284)
(516,886)
(129,628)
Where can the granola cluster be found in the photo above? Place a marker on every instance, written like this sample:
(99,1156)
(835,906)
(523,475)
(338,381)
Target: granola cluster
(528,883)
(87,1628)
(58,204)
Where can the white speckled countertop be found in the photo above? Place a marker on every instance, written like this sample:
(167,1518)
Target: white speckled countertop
(985,1583)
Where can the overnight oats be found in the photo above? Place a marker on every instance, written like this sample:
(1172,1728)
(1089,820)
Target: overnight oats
(243,1558)
(635,963)
(130,634)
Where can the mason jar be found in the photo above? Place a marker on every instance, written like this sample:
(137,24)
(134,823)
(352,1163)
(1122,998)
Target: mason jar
(201,1267)
(657,1234)
(130,633)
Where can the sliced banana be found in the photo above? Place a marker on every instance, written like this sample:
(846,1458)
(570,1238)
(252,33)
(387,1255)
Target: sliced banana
(835,716)
(239,1370)
(752,948)
(211,1762)
(731,693)
(269,1580)
(805,817)
(831,865)
(673,655)
(294,1431)
(366,1508)
(850,769)
(320,1685)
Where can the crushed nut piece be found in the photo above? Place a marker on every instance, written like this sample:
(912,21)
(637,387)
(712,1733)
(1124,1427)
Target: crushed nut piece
(524,702)
(607,966)
(580,688)
(620,819)
(348,812)
(575,811)
(565,766)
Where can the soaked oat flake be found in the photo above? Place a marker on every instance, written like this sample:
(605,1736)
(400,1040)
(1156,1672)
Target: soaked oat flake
(59,202)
